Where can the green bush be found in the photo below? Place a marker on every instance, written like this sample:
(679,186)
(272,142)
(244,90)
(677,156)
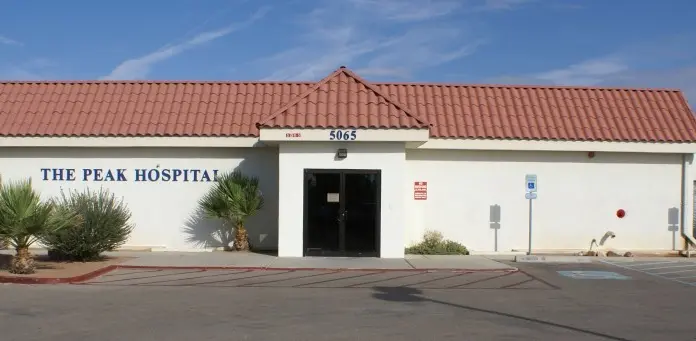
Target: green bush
(104,226)
(435,244)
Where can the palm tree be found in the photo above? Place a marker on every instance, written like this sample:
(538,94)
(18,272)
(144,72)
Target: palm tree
(234,198)
(24,218)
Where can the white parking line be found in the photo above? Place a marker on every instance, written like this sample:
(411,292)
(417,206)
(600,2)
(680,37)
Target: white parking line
(676,272)
(649,263)
(660,275)
(694,276)
(669,267)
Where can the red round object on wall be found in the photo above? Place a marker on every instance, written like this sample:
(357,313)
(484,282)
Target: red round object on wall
(620,213)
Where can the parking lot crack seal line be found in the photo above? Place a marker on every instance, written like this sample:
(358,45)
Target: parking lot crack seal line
(479,280)
(439,279)
(197,277)
(260,284)
(528,319)
(555,287)
(148,277)
(384,280)
(510,286)
(235,279)
(338,279)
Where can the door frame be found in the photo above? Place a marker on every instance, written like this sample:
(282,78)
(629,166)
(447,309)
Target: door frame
(342,225)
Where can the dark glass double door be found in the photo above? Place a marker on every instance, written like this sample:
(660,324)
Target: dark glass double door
(342,212)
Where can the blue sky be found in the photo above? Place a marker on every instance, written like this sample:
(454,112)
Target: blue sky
(637,43)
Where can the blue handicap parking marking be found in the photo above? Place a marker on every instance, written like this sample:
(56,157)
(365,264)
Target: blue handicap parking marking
(579,274)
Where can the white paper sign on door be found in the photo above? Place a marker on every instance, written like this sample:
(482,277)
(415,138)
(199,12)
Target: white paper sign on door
(332,197)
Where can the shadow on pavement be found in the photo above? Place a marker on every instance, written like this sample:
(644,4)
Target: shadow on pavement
(406,294)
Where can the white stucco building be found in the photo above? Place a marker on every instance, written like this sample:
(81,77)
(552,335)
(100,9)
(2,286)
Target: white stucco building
(350,167)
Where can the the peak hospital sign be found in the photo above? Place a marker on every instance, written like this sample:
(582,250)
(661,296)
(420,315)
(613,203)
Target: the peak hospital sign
(125,174)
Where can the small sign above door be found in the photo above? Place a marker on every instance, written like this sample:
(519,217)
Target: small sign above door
(420,190)
(332,197)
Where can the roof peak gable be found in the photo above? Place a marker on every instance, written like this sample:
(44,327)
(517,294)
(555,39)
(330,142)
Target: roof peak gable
(334,75)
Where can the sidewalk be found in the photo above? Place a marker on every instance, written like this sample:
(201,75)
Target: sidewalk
(261,261)
(55,273)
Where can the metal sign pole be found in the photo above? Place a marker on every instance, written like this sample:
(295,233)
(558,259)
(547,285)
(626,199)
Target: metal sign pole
(496,240)
(529,248)
(495,224)
(531,188)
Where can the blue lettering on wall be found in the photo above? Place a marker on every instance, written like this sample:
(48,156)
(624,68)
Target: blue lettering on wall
(123,175)
(58,174)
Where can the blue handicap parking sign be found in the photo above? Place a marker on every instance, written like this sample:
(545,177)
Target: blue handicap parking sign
(531,182)
(580,274)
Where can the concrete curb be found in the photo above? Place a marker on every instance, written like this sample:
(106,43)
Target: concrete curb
(107,269)
(552,259)
(268,268)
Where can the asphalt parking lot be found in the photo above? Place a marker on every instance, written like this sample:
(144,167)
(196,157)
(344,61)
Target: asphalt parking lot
(536,303)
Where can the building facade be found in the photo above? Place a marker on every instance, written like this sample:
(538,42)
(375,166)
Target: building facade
(350,167)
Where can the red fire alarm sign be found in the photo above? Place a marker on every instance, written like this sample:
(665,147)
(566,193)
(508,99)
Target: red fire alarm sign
(420,190)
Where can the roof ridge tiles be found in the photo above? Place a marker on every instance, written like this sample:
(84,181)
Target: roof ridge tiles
(464,111)
(281,82)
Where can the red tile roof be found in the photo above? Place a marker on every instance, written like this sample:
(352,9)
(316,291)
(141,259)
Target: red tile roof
(148,108)
(343,100)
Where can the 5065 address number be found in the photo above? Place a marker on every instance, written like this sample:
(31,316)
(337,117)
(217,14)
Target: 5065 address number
(343,135)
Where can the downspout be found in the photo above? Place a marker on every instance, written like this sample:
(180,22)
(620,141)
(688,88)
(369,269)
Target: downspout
(685,190)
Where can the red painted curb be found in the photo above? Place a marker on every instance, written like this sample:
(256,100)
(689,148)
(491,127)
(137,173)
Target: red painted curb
(57,280)
(204,268)
(109,268)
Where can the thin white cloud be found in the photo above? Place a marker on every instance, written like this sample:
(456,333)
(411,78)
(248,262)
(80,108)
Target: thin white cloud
(409,10)
(18,73)
(417,50)
(504,4)
(577,5)
(665,64)
(588,72)
(354,33)
(7,41)
(598,73)
(139,68)
(385,72)
(32,69)
(305,63)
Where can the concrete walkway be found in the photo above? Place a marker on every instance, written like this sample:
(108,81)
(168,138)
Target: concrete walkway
(219,259)
(255,260)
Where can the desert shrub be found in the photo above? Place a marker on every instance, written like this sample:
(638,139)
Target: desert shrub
(234,199)
(105,225)
(434,243)
(25,218)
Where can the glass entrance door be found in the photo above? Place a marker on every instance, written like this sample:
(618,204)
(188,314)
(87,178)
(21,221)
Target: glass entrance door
(342,212)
